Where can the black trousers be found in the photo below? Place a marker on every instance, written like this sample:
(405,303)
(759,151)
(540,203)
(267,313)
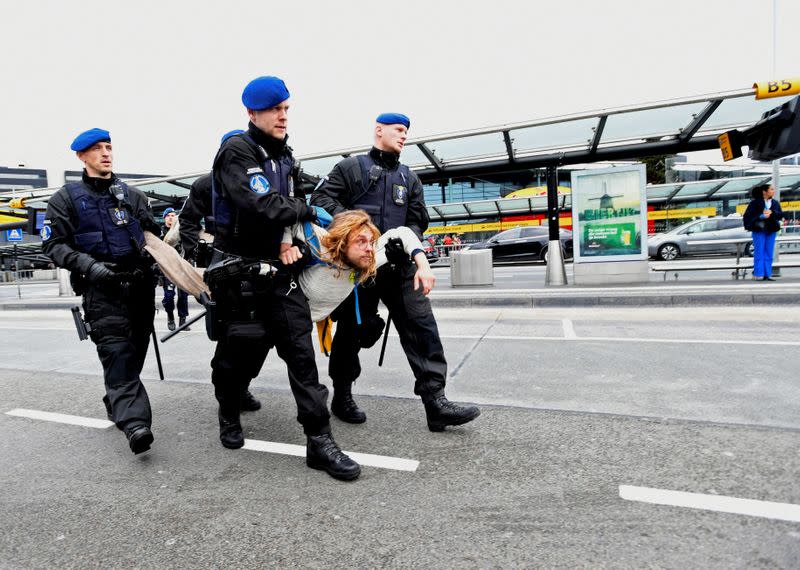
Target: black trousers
(121,321)
(259,314)
(412,316)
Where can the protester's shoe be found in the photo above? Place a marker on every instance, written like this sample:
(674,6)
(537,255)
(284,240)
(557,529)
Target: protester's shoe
(230,431)
(344,407)
(322,453)
(171,324)
(249,402)
(441,412)
(181,322)
(768,279)
(139,438)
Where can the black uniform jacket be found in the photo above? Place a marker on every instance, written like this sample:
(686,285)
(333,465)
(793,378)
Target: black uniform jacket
(337,191)
(63,220)
(259,218)
(753,212)
(196,208)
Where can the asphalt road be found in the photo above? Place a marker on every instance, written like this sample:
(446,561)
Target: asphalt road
(578,405)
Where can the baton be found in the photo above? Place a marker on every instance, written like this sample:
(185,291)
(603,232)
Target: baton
(193,320)
(385,338)
(158,354)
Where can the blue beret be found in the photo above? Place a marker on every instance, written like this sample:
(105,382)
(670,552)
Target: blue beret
(87,138)
(394,119)
(167,212)
(229,134)
(264,93)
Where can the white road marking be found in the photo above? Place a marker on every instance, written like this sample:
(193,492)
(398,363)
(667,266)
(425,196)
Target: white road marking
(569,330)
(367,459)
(622,339)
(60,418)
(750,507)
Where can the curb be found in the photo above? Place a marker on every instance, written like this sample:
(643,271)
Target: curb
(531,301)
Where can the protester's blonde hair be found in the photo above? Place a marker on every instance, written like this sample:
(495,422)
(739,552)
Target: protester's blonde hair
(343,226)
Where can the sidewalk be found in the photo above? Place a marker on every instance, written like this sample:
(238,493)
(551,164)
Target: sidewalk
(668,294)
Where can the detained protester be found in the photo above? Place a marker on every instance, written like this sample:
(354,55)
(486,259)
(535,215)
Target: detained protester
(763,218)
(95,229)
(253,202)
(393,196)
(196,228)
(171,236)
(348,254)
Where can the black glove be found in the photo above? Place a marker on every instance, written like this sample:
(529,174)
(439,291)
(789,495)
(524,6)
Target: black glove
(395,254)
(99,274)
(370,331)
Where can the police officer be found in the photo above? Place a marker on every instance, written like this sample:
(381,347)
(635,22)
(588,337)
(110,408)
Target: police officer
(196,213)
(393,196)
(170,289)
(253,201)
(95,229)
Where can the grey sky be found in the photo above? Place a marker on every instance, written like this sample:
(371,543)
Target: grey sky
(165,77)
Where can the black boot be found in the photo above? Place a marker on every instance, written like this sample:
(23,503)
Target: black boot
(171,321)
(442,412)
(139,438)
(323,453)
(249,402)
(181,322)
(230,430)
(344,407)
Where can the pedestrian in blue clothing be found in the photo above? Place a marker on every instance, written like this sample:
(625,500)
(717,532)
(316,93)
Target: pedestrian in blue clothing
(763,218)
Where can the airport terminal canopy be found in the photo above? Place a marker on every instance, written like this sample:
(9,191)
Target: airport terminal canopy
(663,127)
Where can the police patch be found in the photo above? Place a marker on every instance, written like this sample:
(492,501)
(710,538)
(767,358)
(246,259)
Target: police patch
(46,232)
(399,193)
(118,216)
(259,184)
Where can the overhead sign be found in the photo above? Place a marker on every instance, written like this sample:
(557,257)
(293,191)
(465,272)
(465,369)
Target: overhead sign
(682,213)
(13,235)
(609,214)
(779,88)
(730,145)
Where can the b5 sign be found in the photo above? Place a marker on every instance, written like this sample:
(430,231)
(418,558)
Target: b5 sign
(779,88)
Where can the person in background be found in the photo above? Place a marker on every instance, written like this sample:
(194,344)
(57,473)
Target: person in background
(171,238)
(763,218)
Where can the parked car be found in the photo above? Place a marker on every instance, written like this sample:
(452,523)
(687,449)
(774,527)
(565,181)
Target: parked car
(674,243)
(528,243)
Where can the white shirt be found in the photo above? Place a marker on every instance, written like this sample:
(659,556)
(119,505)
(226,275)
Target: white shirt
(326,287)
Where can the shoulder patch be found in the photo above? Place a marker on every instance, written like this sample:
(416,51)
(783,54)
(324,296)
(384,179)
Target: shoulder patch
(259,184)
(46,232)
(255,170)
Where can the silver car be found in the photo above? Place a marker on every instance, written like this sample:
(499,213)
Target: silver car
(674,243)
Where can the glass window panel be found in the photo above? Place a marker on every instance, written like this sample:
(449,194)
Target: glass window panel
(514,204)
(787,181)
(572,133)
(700,189)
(736,186)
(320,166)
(641,124)
(412,156)
(451,209)
(464,147)
(483,207)
(740,111)
(661,191)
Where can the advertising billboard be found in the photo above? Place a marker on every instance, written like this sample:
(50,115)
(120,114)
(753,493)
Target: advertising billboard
(609,214)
